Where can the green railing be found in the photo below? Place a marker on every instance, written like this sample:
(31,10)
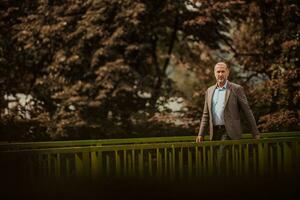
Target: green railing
(77,143)
(170,158)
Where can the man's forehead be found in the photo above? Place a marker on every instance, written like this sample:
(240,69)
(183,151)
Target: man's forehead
(220,67)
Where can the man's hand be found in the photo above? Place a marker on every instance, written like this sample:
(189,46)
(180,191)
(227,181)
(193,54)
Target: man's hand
(257,137)
(200,139)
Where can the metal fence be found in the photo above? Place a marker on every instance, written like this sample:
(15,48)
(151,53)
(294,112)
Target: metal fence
(162,158)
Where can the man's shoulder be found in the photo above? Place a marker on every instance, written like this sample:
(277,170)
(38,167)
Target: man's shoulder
(211,87)
(234,85)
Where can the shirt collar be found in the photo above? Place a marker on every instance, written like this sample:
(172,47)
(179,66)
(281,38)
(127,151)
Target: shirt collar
(224,87)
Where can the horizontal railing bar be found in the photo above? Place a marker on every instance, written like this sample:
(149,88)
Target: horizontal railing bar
(55,144)
(153,146)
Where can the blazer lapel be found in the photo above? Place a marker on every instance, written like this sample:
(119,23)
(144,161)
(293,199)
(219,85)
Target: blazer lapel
(210,94)
(227,94)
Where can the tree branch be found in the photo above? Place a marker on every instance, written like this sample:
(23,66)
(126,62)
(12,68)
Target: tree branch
(172,42)
(154,55)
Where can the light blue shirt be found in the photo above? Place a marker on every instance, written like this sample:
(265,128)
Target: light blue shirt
(218,105)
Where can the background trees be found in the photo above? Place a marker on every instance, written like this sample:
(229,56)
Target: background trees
(267,46)
(105,68)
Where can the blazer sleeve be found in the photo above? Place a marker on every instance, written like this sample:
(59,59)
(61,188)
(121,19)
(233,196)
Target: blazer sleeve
(243,102)
(204,119)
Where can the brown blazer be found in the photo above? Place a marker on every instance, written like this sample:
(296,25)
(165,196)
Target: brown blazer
(235,101)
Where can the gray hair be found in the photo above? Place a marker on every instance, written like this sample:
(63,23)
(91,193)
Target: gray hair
(222,64)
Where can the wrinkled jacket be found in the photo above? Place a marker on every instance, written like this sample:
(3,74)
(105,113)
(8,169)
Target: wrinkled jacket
(235,101)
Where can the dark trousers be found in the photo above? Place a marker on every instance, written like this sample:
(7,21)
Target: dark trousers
(220,150)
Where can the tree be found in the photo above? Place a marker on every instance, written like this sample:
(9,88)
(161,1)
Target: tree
(97,64)
(267,45)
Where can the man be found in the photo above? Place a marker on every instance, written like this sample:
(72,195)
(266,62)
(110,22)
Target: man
(223,103)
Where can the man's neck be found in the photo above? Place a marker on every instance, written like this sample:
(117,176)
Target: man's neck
(221,85)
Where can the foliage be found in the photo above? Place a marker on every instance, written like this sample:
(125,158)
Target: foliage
(267,46)
(97,68)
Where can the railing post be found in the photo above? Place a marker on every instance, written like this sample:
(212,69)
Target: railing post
(79,165)
(297,155)
(272,160)
(227,162)
(190,163)
(94,165)
(236,155)
(57,166)
(150,172)
(165,162)
(141,163)
(100,162)
(205,170)
(287,151)
(170,165)
(40,165)
(196,161)
(125,162)
(180,168)
(118,164)
(240,160)
(133,163)
(107,161)
(49,164)
(173,161)
(261,159)
(246,159)
(68,166)
(279,157)
(158,163)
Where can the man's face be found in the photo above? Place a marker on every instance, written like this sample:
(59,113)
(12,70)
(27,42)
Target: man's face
(221,74)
